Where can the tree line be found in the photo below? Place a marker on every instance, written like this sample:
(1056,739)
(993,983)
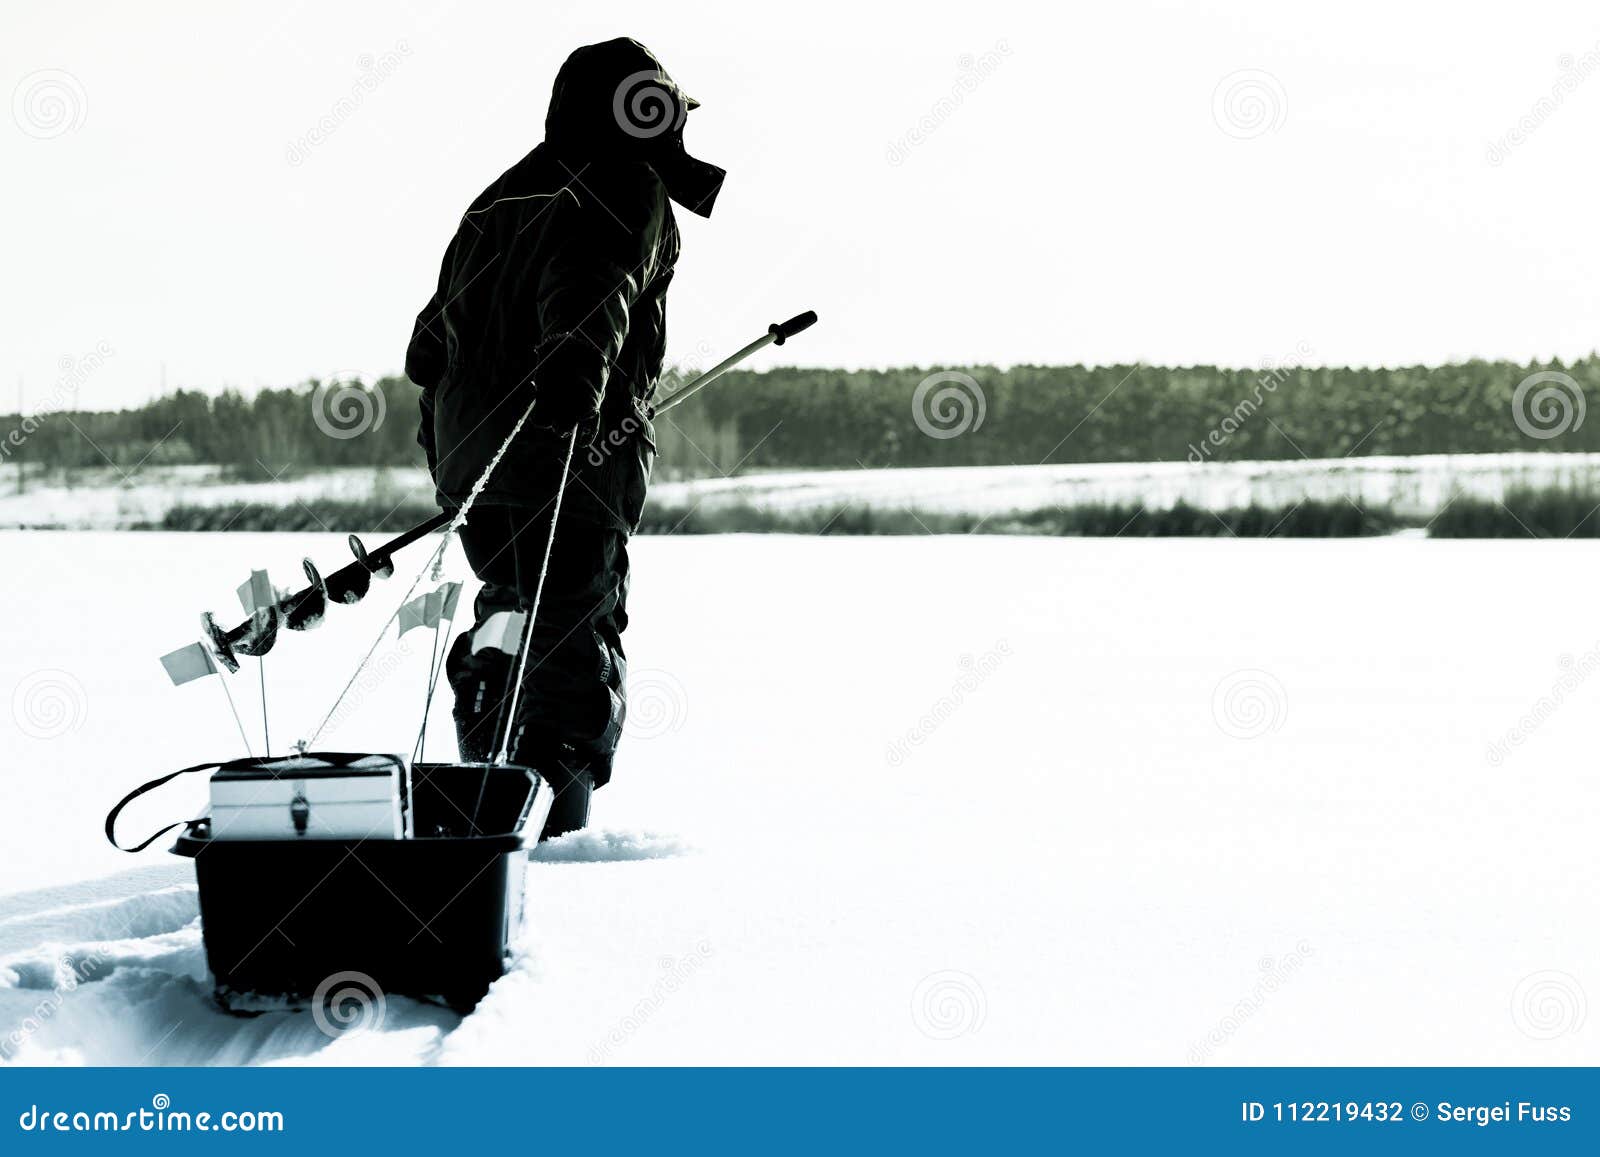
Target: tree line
(799,418)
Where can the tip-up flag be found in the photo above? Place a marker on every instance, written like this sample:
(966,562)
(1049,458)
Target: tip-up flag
(256,593)
(187,663)
(415,614)
(501,630)
(429,609)
(448,595)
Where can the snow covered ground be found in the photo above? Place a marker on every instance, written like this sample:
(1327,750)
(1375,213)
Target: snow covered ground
(1415,486)
(109,498)
(929,801)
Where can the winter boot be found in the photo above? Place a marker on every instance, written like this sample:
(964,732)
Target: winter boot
(572,780)
(479,680)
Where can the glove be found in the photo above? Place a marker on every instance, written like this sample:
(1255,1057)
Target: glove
(568,386)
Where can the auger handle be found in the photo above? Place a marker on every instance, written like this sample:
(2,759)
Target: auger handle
(782,331)
(777,333)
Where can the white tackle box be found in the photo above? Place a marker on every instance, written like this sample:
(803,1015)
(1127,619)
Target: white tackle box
(325,796)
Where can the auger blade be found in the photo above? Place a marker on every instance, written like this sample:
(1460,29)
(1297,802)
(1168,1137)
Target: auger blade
(221,647)
(260,634)
(349,585)
(305,610)
(379,565)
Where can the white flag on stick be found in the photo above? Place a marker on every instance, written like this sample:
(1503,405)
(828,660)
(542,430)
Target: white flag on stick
(187,663)
(429,609)
(415,614)
(442,602)
(502,631)
(256,593)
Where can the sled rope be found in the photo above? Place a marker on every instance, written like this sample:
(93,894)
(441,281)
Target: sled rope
(433,565)
(533,611)
(143,788)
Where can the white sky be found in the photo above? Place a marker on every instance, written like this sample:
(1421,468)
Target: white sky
(1082,204)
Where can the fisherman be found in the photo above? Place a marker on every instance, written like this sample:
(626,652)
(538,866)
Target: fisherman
(553,291)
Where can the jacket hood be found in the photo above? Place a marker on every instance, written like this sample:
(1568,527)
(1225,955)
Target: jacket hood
(615,100)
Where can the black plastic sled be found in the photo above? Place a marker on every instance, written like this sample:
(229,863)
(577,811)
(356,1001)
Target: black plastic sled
(431,916)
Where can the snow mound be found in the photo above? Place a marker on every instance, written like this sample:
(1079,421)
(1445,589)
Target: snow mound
(609,846)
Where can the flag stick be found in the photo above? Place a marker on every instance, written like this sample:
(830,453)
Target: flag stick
(266,732)
(223,679)
(435,669)
(422,739)
(416,752)
(427,701)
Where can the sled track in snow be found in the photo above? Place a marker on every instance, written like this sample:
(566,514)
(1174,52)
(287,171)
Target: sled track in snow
(113,972)
(122,980)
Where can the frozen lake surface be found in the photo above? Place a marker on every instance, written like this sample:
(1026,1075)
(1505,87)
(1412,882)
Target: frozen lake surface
(1415,487)
(931,801)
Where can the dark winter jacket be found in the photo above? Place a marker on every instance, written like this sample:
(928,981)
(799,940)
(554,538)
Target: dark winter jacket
(556,280)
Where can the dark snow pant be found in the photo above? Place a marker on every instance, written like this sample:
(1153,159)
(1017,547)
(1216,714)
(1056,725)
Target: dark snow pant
(572,704)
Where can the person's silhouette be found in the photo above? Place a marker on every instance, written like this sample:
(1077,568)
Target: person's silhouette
(553,290)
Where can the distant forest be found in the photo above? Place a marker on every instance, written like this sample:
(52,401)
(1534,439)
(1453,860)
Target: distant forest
(817,418)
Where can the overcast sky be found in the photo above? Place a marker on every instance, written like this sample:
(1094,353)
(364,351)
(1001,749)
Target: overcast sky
(1371,183)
